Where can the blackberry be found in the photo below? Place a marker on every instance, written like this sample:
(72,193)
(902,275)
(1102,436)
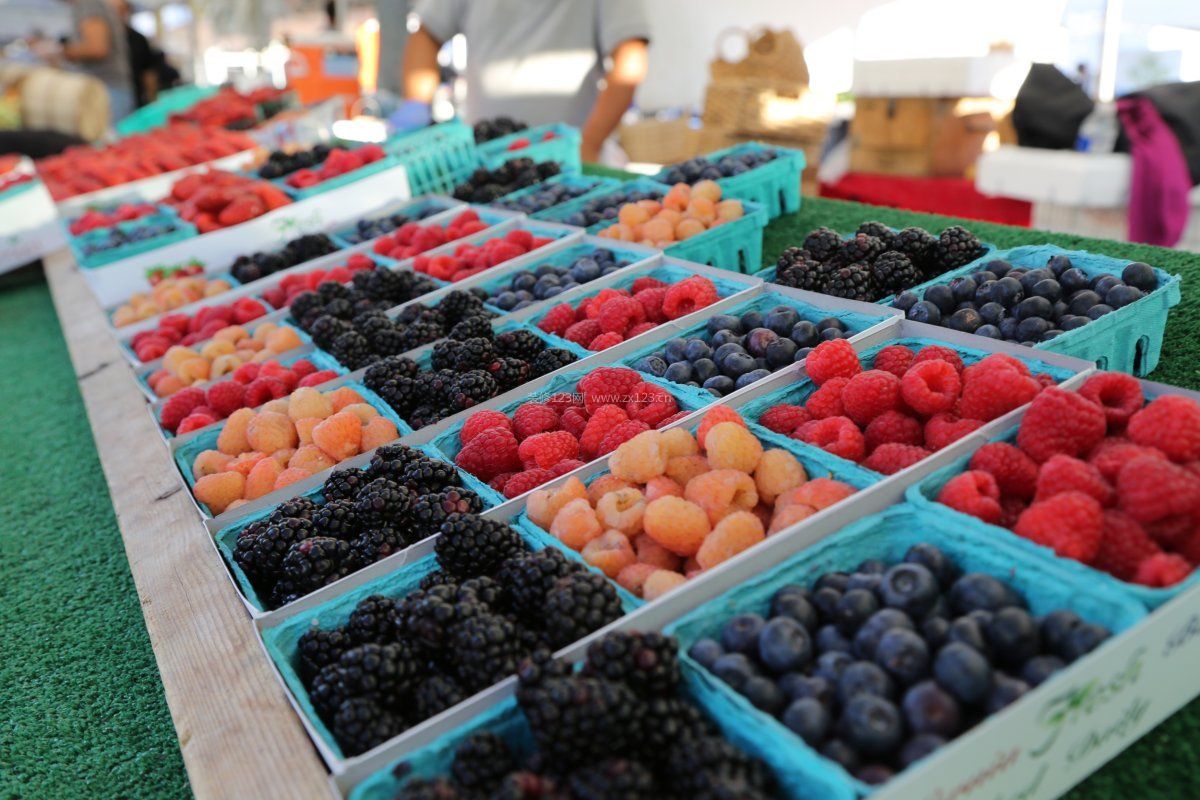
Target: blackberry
(617,777)
(667,720)
(894,272)
(319,648)
(337,519)
(526,785)
(859,249)
(429,789)
(486,650)
(551,359)
(956,246)
(332,290)
(713,768)
(521,344)
(526,579)
(427,475)
(476,327)
(800,272)
(402,394)
(328,690)
(647,662)
(852,282)
(284,592)
(579,604)
(471,354)
(378,543)
(578,720)
(352,349)
(361,724)
(397,454)
(437,578)
(424,415)
(469,546)
(444,354)
(880,231)
(458,305)
(822,243)
(917,244)
(483,589)
(378,669)
(368,322)
(472,388)
(481,762)
(383,502)
(264,559)
(430,510)
(343,484)
(370,622)
(296,508)
(418,333)
(316,562)
(509,373)
(389,368)
(388,342)
(428,616)
(435,694)
(339,308)
(304,305)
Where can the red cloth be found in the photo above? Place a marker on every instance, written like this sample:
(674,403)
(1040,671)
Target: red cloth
(1160,183)
(955,197)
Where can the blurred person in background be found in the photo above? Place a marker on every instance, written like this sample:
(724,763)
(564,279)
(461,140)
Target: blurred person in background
(99,49)
(143,58)
(539,61)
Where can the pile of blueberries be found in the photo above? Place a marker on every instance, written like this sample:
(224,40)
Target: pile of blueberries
(548,196)
(111,238)
(878,668)
(1024,305)
(526,288)
(605,207)
(701,168)
(372,227)
(740,349)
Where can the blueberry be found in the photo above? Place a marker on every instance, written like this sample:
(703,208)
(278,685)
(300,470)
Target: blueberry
(1048,288)
(829,334)
(723,322)
(918,747)
(763,693)
(801,354)
(736,364)
(585,269)
(673,350)
(794,605)
(935,631)
(1081,301)
(930,709)
(1122,295)
(704,368)
(966,305)
(753,376)
(784,645)
(652,364)
(679,372)
(998,266)
(872,725)
(781,319)
(933,559)
(864,580)
(833,580)
(735,669)
(719,385)
(1033,277)
(905,300)
(758,339)
(1056,626)
(926,312)
(727,349)
(825,599)
(965,320)
(986,293)
(804,334)
(780,353)
(1083,639)
(1008,292)
(1058,264)
(1073,280)
(976,590)
(965,630)
(523,304)
(797,685)
(911,588)
(868,636)
(1103,284)
(609,270)
(526,281)
(1032,329)
(840,753)
(1005,692)
(983,275)
(1040,669)
(752,320)
(1140,276)
(963,672)
(990,331)
(853,609)
(706,652)
(721,338)
(991,313)
(808,719)
(963,289)
(547,292)
(829,639)
(1099,310)
(1008,328)
(1061,309)
(1033,307)
(696,348)
(863,677)
(505,301)
(832,322)
(740,633)
(1070,322)
(904,655)
(832,665)
(941,296)
(1013,636)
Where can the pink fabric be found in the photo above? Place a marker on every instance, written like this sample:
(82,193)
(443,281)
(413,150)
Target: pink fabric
(1159,186)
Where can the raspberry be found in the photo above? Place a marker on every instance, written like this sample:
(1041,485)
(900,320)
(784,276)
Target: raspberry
(619,314)
(893,427)
(532,418)
(990,393)
(678,525)
(722,491)
(973,492)
(1162,570)
(226,397)
(339,435)
(523,482)
(263,390)
(1124,545)
(582,332)
(715,416)
(561,401)
(832,359)
(784,418)
(622,510)
(640,455)
(603,420)
(1152,490)
(869,394)
(739,531)
(1016,473)
(943,430)
(575,524)
(936,352)
(778,471)
(1120,396)
(180,405)
(690,294)
(607,386)
(649,403)
(651,301)
(837,435)
(194,422)
(610,553)
(573,421)
(220,489)
(930,387)
(891,457)
(1070,524)
(317,378)
(302,367)
(1112,454)
(730,445)
(490,453)
(605,341)
(646,282)
(639,329)
(1172,424)
(1058,421)
(619,434)
(481,421)
(826,401)
(1011,509)
(547,449)
(1067,474)
(558,319)
(565,466)
(247,372)
(895,358)
(678,415)
(590,308)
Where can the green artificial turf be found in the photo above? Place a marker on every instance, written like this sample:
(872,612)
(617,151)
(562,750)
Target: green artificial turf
(82,707)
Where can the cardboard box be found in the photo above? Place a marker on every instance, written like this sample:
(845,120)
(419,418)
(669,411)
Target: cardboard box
(918,136)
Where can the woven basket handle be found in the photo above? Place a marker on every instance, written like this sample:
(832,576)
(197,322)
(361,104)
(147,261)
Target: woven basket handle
(723,37)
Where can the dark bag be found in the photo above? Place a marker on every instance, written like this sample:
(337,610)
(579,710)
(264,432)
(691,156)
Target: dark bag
(1049,109)
(1179,106)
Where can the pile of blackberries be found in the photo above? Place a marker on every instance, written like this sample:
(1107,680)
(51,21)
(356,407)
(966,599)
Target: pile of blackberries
(280,163)
(488,129)
(487,185)
(247,268)
(528,287)
(702,168)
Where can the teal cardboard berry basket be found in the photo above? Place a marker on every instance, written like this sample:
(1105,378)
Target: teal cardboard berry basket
(588,183)
(735,246)
(775,185)
(418,210)
(1128,339)
(337,181)
(437,158)
(887,536)
(562,213)
(180,231)
(562,147)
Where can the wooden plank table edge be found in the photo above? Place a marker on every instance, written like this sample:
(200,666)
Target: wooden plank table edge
(237,732)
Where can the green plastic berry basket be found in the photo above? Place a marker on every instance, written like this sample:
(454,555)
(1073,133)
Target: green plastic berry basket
(437,158)
(562,148)
(180,231)
(887,536)
(775,185)
(797,393)
(589,183)
(280,641)
(1128,339)
(187,451)
(562,212)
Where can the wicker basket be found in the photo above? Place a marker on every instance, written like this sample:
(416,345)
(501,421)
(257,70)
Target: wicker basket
(772,56)
(52,99)
(659,141)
